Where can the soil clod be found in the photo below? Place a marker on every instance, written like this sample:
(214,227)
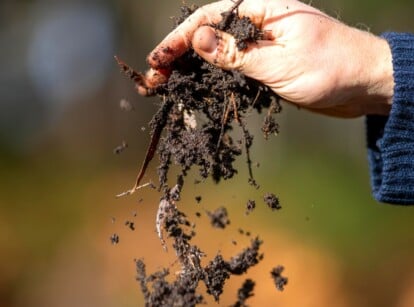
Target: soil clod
(130,225)
(219,218)
(250,206)
(114,239)
(272,201)
(279,280)
(244,293)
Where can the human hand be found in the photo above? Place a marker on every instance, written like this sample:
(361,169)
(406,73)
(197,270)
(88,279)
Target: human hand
(308,58)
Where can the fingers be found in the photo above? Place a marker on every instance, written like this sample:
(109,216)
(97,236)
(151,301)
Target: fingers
(153,77)
(179,41)
(220,49)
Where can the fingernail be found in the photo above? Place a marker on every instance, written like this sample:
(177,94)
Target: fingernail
(206,39)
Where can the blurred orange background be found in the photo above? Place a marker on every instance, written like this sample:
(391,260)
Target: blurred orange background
(60,120)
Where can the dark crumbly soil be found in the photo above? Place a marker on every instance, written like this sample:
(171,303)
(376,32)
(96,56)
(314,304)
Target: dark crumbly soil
(182,291)
(130,225)
(200,106)
(272,201)
(219,218)
(244,293)
(279,280)
(250,206)
(114,239)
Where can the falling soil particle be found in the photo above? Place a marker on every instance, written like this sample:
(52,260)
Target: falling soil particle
(114,239)
(119,149)
(125,105)
(250,206)
(279,280)
(219,218)
(130,225)
(244,293)
(272,201)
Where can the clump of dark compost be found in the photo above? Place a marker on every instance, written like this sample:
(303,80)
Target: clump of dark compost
(250,206)
(272,201)
(114,238)
(244,293)
(219,218)
(279,280)
(158,291)
(200,105)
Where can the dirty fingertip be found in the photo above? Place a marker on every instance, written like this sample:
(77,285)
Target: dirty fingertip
(155,77)
(166,52)
(205,40)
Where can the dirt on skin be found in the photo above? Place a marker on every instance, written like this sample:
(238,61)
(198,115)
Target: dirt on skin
(200,106)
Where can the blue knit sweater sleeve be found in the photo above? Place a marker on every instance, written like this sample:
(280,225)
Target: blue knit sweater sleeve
(391,138)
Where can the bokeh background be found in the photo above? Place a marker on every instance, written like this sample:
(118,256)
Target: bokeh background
(60,120)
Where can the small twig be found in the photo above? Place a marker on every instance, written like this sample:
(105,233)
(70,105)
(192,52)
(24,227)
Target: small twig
(130,72)
(236,5)
(226,111)
(137,188)
(256,98)
(247,145)
(235,113)
(137,77)
(155,138)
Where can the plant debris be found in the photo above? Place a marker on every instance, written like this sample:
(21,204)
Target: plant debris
(278,279)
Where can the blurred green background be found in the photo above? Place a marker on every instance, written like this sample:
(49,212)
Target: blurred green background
(60,120)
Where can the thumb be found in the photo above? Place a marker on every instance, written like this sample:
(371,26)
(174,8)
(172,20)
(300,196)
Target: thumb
(219,48)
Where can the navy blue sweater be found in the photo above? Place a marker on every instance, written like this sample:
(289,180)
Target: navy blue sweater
(391,138)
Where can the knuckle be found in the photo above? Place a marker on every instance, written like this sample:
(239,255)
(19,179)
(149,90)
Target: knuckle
(229,56)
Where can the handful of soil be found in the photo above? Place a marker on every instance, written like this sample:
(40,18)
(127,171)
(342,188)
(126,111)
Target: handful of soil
(192,128)
(199,105)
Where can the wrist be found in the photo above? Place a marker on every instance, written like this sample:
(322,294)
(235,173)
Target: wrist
(381,74)
(365,74)
(375,73)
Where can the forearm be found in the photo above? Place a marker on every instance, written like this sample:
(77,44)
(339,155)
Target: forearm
(391,139)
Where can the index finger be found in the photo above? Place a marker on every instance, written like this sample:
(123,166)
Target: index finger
(179,40)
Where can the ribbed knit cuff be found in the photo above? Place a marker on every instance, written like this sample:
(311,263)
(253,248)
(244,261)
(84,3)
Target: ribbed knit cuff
(391,139)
